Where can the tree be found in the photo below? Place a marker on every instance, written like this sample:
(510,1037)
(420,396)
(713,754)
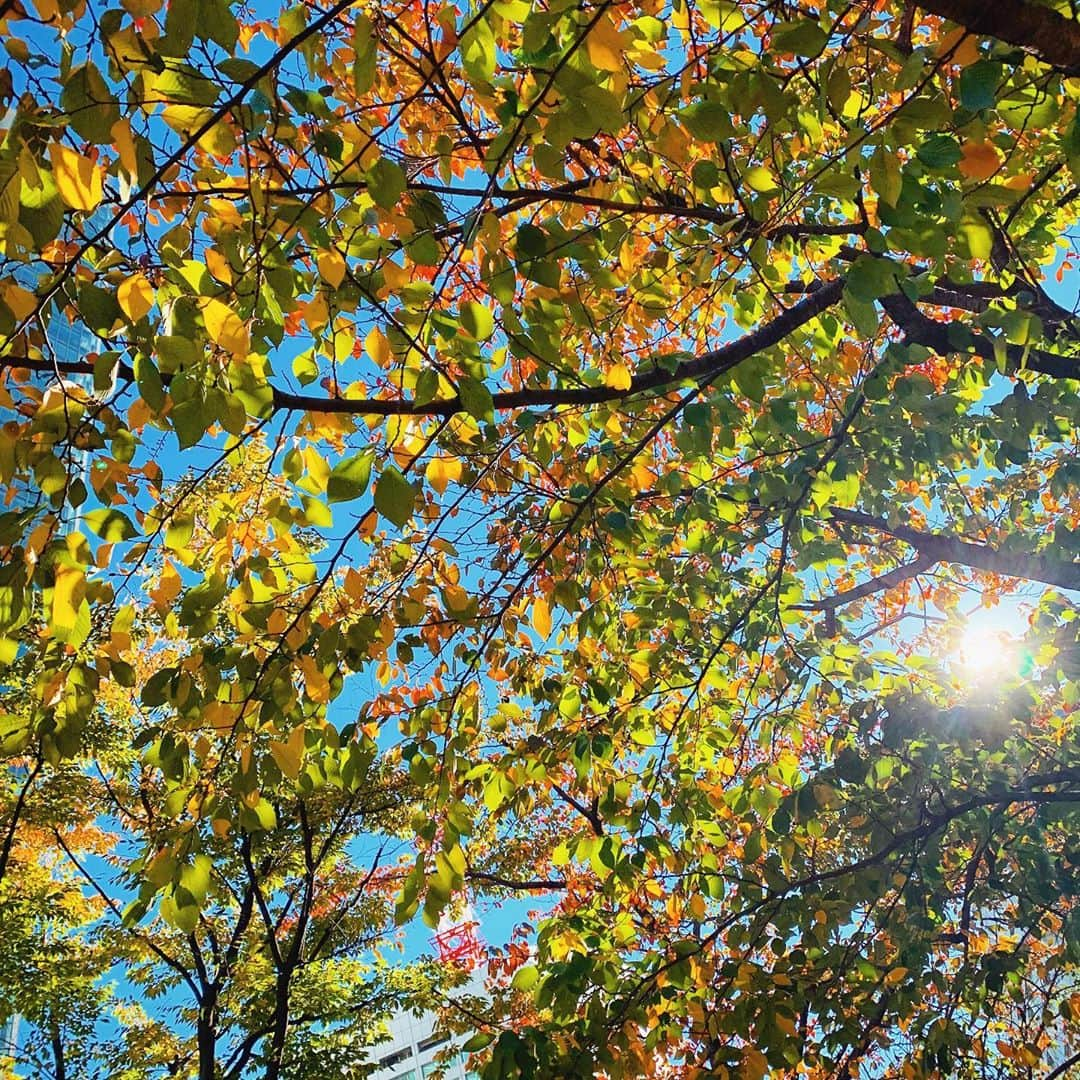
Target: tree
(562,439)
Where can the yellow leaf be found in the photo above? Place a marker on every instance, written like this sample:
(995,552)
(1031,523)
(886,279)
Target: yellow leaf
(541,616)
(78,179)
(136,297)
(760,179)
(290,753)
(980,160)
(226,328)
(185,120)
(125,146)
(21,303)
(457,599)
(963,46)
(331,267)
(218,265)
(316,684)
(896,975)
(67,596)
(618,377)
(605,45)
(316,313)
(377,347)
(441,471)
(395,276)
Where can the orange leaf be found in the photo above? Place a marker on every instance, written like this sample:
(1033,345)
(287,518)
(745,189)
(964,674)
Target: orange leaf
(980,160)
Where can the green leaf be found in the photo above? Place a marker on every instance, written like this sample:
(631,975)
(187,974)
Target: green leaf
(978,85)
(476,320)
(349,478)
(939,151)
(711,122)
(386,183)
(476,399)
(317,512)
(365,47)
(147,379)
(91,107)
(803,38)
(111,525)
(180,911)
(189,421)
(477,47)
(179,532)
(394,496)
(863,314)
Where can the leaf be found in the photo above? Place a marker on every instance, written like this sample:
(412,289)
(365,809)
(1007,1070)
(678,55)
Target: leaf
(803,38)
(618,377)
(980,160)
(90,106)
(939,151)
(760,179)
(386,183)
(394,497)
(288,754)
(477,47)
(541,617)
(349,479)
(135,296)
(605,45)
(885,177)
(476,399)
(78,179)
(477,1042)
(979,238)
(709,121)
(149,382)
(68,593)
(179,532)
(978,85)
(111,525)
(332,267)
(365,46)
(190,421)
(226,328)
(476,320)
(443,470)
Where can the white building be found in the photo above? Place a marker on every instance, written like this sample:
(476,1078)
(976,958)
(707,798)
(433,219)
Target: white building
(416,1050)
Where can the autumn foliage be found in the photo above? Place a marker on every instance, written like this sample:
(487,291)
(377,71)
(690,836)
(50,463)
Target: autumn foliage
(540,450)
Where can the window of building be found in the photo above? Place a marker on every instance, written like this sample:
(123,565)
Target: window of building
(432,1040)
(395,1059)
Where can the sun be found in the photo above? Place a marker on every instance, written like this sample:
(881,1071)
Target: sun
(988,647)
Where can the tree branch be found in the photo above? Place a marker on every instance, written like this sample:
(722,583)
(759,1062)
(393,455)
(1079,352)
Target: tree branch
(704,368)
(938,547)
(1052,36)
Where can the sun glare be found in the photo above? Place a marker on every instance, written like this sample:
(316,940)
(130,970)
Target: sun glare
(988,648)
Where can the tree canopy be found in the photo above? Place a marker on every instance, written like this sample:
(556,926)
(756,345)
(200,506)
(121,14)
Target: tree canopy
(548,450)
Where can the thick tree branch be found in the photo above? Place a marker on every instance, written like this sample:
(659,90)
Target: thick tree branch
(922,330)
(937,547)
(1053,37)
(702,369)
